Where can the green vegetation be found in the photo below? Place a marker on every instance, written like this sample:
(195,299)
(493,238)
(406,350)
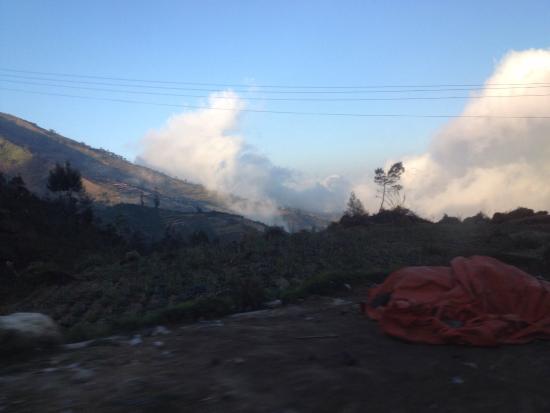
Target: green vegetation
(332,283)
(64,179)
(12,154)
(97,277)
(355,207)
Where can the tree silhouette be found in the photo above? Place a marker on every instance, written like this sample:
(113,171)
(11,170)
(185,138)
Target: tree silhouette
(65,179)
(17,186)
(156,198)
(355,206)
(389,183)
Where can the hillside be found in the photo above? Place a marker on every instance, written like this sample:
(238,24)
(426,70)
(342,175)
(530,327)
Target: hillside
(154,225)
(31,151)
(136,308)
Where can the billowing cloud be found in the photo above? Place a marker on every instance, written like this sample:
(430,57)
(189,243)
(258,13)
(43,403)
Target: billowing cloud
(205,146)
(495,163)
(489,163)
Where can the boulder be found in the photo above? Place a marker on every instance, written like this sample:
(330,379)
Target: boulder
(26,331)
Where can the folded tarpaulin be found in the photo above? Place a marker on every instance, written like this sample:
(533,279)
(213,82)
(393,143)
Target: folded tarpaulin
(476,301)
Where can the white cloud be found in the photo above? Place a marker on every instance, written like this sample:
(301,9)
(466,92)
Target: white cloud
(489,164)
(472,164)
(204,146)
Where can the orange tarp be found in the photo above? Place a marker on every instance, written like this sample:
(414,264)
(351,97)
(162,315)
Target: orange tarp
(476,301)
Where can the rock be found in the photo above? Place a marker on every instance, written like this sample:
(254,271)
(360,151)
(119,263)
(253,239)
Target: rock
(457,380)
(251,314)
(211,323)
(77,346)
(136,340)
(158,343)
(26,331)
(273,304)
(82,375)
(112,341)
(160,330)
(50,370)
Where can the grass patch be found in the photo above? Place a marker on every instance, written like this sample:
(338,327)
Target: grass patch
(86,331)
(191,310)
(331,283)
(13,154)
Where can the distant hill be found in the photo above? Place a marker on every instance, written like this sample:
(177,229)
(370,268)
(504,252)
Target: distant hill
(31,151)
(155,224)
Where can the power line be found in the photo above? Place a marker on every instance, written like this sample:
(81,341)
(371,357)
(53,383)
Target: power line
(355,89)
(275,92)
(299,99)
(369,115)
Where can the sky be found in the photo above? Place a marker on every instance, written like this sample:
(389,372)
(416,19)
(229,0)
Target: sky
(255,43)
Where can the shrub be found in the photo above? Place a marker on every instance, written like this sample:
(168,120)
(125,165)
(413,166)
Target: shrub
(479,218)
(446,219)
(64,179)
(275,232)
(330,283)
(518,213)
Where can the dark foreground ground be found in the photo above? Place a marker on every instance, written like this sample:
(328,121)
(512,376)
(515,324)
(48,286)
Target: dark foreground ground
(318,356)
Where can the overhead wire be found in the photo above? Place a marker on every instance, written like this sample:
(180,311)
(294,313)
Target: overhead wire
(252,85)
(285,112)
(263,98)
(279,92)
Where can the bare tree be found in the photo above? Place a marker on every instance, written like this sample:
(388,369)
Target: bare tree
(390,188)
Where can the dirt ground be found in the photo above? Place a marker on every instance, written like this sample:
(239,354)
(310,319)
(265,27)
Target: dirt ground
(319,356)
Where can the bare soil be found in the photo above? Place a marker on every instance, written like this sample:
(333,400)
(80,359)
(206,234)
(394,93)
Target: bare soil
(319,356)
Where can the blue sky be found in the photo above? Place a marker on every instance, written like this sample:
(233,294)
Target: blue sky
(261,42)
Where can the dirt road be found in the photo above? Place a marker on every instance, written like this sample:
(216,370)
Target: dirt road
(319,356)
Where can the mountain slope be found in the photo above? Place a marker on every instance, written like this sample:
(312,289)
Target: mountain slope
(31,151)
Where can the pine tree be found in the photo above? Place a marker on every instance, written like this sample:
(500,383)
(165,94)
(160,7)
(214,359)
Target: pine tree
(389,183)
(355,206)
